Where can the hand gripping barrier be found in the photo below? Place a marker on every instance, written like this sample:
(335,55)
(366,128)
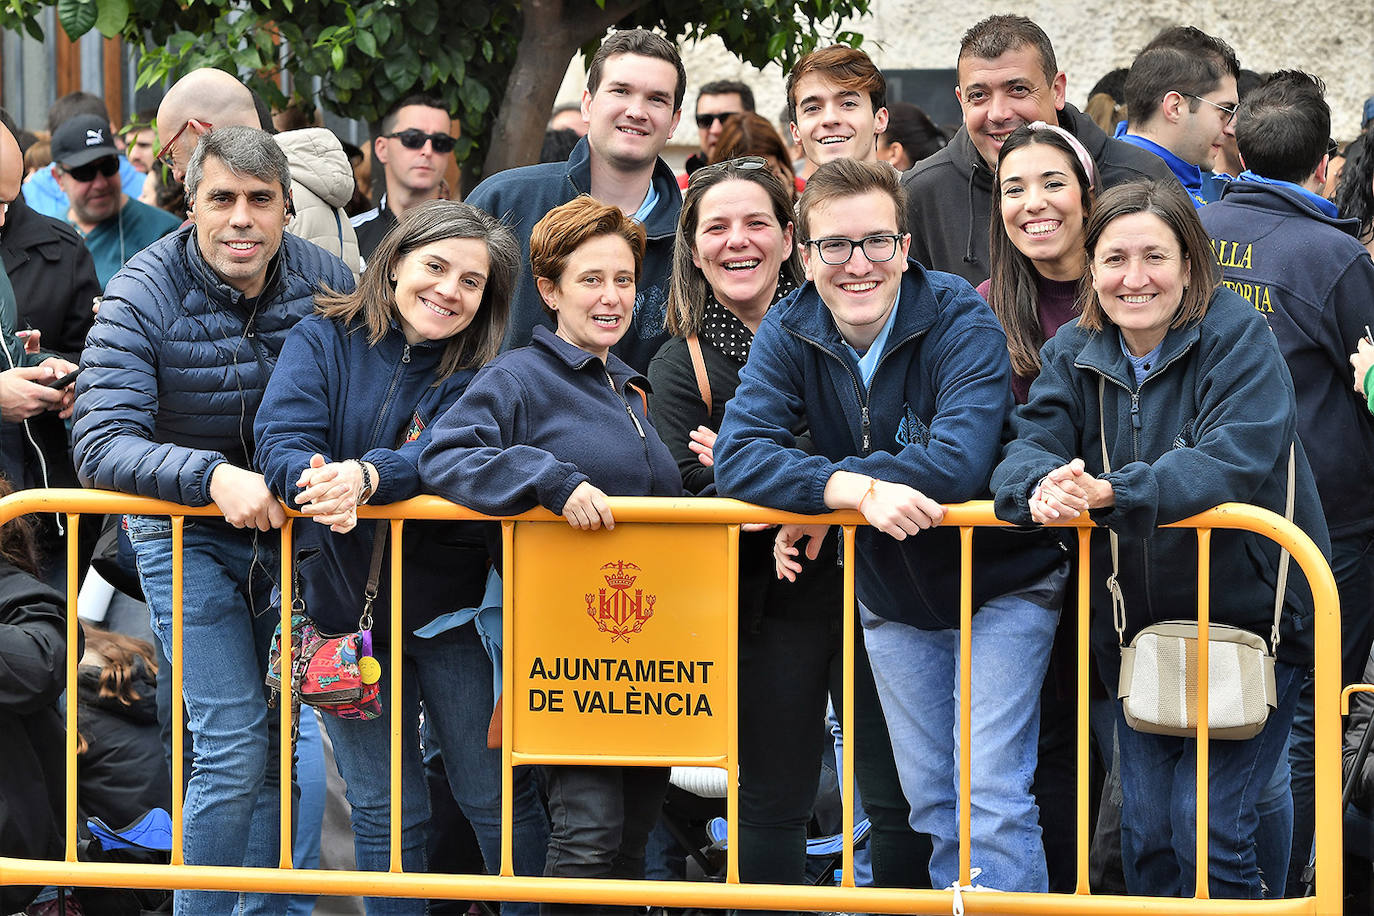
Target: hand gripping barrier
(617,589)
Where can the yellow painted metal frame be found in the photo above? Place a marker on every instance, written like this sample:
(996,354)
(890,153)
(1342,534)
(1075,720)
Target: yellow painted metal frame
(1330,703)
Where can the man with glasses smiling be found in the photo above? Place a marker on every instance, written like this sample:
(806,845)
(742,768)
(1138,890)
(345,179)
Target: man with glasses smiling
(1181,100)
(114,225)
(902,377)
(415,149)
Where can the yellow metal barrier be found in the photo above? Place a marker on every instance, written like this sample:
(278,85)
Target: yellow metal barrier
(729,514)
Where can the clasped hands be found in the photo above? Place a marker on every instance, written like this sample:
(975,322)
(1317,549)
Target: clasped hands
(330,491)
(1068,491)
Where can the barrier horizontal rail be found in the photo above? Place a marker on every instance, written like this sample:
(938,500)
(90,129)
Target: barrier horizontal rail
(729,513)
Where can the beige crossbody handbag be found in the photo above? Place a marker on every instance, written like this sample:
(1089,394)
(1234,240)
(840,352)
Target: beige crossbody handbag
(1158,686)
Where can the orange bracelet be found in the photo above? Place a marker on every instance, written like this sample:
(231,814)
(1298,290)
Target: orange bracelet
(872,482)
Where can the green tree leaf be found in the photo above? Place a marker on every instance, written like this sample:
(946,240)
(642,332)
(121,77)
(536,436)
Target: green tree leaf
(76,16)
(366,43)
(111,17)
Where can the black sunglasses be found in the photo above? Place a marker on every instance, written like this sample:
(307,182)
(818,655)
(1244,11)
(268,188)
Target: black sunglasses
(704,121)
(415,139)
(84,173)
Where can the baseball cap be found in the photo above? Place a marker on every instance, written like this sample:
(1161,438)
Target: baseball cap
(82,139)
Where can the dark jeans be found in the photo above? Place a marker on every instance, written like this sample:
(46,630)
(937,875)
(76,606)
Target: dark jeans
(788,670)
(1352,565)
(601,820)
(1159,806)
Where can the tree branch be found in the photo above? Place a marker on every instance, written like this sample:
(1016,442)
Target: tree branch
(552,32)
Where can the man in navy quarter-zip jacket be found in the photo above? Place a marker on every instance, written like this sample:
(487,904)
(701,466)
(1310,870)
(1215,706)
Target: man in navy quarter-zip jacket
(903,377)
(631,104)
(1284,248)
(172,375)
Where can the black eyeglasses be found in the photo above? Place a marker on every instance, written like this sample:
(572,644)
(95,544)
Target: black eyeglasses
(84,173)
(1228,110)
(838,250)
(1332,148)
(415,139)
(740,164)
(704,121)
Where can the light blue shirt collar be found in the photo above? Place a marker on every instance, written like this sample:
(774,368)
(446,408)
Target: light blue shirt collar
(1140,365)
(650,201)
(868,362)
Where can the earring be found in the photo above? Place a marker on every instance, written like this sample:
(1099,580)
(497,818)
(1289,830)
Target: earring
(393,276)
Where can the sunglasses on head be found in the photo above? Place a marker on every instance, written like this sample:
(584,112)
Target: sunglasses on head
(740,164)
(415,139)
(704,121)
(83,173)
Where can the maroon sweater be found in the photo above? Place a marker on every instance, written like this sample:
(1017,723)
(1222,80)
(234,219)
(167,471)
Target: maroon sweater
(1056,306)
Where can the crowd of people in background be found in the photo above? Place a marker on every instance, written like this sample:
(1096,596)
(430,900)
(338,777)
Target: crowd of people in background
(1137,310)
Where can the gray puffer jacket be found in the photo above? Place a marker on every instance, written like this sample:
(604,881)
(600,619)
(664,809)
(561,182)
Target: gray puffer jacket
(176,365)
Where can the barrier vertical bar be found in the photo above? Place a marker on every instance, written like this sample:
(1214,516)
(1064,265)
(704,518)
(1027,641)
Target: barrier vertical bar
(1326,712)
(507,691)
(847,726)
(395,594)
(73,691)
(1084,727)
(965,704)
(1204,617)
(732,705)
(178,708)
(287,709)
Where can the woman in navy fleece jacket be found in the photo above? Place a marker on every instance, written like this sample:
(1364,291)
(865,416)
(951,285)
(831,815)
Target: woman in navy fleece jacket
(343,422)
(562,423)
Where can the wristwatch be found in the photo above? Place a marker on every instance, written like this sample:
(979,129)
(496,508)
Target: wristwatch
(369,487)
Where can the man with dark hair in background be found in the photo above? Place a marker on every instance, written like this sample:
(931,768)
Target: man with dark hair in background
(415,149)
(632,104)
(1282,246)
(716,101)
(1007,77)
(1227,165)
(1181,102)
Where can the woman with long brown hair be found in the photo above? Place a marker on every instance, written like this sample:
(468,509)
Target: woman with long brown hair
(343,421)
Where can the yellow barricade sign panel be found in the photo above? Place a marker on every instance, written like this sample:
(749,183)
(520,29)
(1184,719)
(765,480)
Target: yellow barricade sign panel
(618,641)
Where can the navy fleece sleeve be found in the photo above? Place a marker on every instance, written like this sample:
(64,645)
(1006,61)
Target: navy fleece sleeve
(474,457)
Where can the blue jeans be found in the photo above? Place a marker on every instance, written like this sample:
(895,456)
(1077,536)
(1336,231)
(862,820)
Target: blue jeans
(1159,803)
(917,673)
(453,675)
(230,814)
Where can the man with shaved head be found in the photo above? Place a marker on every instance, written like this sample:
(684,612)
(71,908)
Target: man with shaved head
(321,175)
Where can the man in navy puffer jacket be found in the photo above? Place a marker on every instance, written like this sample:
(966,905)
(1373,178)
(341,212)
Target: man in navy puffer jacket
(172,375)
